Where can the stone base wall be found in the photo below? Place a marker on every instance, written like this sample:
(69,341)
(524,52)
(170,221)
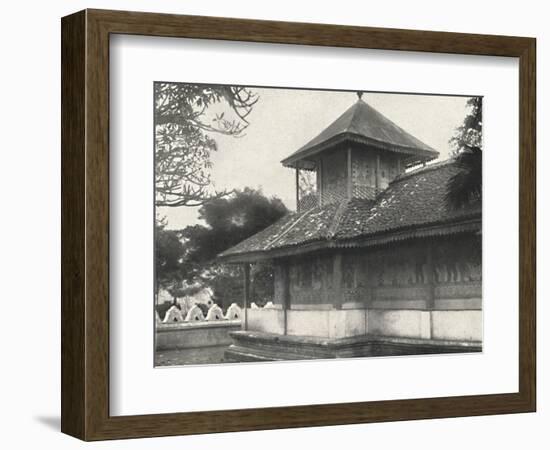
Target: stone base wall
(400,323)
(459,325)
(327,323)
(193,335)
(462,325)
(448,325)
(266,320)
(255,346)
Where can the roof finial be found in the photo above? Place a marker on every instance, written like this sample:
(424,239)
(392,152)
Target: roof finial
(360,94)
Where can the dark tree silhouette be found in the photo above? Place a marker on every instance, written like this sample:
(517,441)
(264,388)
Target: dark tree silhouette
(469,133)
(465,186)
(229,221)
(184,123)
(169,254)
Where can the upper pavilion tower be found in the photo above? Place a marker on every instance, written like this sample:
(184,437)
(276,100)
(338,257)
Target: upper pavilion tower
(358,155)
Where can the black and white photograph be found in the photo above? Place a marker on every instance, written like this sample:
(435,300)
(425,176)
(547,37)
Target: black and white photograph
(271,225)
(295,224)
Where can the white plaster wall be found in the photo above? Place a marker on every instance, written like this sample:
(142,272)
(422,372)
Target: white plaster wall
(459,325)
(451,325)
(345,323)
(458,304)
(400,323)
(311,307)
(327,323)
(308,323)
(268,320)
(399,304)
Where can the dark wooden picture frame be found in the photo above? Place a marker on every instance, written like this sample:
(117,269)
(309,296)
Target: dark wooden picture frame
(85,224)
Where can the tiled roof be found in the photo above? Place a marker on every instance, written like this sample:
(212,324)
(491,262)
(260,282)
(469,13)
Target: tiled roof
(414,201)
(293,229)
(361,122)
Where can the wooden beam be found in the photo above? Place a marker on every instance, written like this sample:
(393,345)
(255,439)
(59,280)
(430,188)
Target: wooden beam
(350,174)
(286,294)
(430,301)
(320,181)
(246,296)
(377,178)
(370,287)
(297,189)
(338,280)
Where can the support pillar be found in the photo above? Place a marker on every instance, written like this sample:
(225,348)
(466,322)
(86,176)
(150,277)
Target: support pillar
(377,177)
(338,281)
(246,296)
(430,301)
(286,295)
(320,181)
(350,175)
(297,189)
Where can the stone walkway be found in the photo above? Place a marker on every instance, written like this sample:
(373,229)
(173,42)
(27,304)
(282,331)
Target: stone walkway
(208,355)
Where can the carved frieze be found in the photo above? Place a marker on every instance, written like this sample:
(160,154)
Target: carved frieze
(394,273)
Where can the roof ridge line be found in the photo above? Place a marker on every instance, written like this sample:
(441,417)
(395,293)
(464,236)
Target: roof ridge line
(337,218)
(351,121)
(365,121)
(425,168)
(285,232)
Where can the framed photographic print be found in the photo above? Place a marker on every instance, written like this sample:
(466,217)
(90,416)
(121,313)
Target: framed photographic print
(273,225)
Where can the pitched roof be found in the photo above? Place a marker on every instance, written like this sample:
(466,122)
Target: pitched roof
(362,123)
(412,206)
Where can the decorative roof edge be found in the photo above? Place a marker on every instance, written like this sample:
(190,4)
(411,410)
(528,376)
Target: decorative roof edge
(424,155)
(472,225)
(423,169)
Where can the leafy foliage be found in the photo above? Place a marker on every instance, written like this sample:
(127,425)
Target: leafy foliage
(229,221)
(307,190)
(469,133)
(185,259)
(226,282)
(307,182)
(465,186)
(169,253)
(184,122)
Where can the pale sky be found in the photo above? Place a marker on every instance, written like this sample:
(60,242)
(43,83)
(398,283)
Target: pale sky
(285,119)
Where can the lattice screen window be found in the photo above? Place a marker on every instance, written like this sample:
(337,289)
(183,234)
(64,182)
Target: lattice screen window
(348,268)
(317,281)
(305,274)
(307,190)
(328,271)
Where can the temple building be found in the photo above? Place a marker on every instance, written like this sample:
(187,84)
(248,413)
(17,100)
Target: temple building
(374,262)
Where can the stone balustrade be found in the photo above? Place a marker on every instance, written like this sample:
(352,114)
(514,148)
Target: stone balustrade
(195,315)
